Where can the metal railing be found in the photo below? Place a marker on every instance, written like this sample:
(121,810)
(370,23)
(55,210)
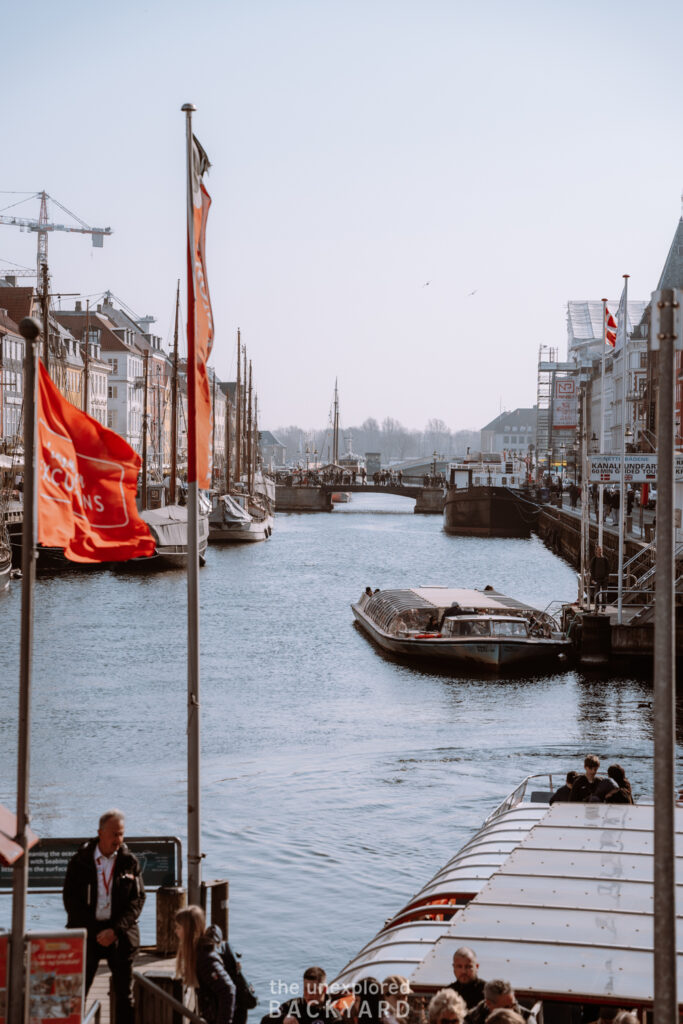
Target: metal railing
(517,795)
(163,997)
(94,1013)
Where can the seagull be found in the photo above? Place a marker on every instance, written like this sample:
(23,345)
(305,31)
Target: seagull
(473,293)
(426,283)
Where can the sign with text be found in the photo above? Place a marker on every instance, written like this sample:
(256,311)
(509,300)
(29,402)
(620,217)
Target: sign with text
(159,856)
(56,983)
(639,468)
(565,404)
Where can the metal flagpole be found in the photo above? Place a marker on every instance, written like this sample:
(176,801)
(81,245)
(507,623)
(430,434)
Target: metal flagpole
(602,417)
(622,496)
(30,330)
(665,999)
(585,501)
(194,855)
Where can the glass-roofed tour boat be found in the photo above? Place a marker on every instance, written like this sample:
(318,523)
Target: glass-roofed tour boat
(479,627)
(558,900)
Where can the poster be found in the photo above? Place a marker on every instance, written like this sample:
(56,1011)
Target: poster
(565,404)
(57,977)
(4,954)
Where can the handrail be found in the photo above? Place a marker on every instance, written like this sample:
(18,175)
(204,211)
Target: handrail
(93,1013)
(517,795)
(166,998)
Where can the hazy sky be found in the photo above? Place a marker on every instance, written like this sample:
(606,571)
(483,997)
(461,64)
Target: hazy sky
(512,154)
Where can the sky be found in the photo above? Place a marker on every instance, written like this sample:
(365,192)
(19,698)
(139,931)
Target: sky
(405,194)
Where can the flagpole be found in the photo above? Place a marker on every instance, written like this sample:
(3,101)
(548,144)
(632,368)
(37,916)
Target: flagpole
(30,330)
(622,496)
(194,855)
(602,417)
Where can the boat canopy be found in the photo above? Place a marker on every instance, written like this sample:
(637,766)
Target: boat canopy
(566,914)
(232,511)
(168,525)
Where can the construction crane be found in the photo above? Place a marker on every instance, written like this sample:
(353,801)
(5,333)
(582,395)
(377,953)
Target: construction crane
(43,226)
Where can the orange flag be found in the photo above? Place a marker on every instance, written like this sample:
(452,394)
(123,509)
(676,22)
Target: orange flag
(200,332)
(87,479)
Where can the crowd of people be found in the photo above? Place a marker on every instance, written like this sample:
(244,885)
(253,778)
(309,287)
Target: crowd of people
(349,476)
(591,788)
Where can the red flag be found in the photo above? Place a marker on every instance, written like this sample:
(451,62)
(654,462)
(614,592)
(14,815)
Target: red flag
(610,328)
(87,479)
(200,329)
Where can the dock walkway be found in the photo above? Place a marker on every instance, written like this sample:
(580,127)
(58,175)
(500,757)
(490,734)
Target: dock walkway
(147,960)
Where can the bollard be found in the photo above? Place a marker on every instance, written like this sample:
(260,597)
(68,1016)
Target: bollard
(596,640)
(219,891)
(170,899)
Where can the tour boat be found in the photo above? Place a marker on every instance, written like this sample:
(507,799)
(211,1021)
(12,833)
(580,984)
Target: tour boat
(479,627)
(557,900)
(231,522)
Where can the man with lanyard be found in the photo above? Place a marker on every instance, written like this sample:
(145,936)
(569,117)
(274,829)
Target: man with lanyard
(104,893)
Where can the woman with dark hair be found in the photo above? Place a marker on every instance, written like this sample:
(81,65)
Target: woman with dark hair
(368,1005)
(622,794)
(200,964)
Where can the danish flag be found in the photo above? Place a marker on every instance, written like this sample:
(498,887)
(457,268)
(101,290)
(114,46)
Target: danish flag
(610,329)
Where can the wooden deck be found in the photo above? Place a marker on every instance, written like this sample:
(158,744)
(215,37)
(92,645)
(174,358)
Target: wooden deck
(147,960)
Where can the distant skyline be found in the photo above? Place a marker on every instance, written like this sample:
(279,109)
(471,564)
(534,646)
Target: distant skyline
(405,195)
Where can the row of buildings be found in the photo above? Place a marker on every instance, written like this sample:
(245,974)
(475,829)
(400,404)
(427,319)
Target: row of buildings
(581,406)
(111,364)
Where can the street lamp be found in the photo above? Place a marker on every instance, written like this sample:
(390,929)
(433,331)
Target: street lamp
(434,458)
(595,443)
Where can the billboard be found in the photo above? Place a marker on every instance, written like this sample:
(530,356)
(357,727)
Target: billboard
(565,404)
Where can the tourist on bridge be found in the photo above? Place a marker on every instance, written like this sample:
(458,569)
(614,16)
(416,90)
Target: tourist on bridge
(104,893)
(467,984)
(201,963)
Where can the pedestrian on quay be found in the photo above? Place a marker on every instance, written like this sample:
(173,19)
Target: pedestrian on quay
(104,893)
(598,571)
(200,964)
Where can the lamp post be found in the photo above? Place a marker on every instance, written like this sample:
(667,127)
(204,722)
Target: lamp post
(435,456)
(575,449)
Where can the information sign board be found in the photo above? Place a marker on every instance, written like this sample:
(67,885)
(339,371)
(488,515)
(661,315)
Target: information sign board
(159,856)
(639,468)
(56,983)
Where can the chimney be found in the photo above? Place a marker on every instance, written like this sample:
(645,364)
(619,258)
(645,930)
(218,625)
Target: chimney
(99,308)
(79,308)
(11,280)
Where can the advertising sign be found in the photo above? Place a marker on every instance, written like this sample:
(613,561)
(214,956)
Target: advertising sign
(639,468)
(565,404)
(4,956)
(56,984)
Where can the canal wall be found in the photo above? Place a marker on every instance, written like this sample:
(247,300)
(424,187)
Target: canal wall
(560,530)
(430,501)
(302,499)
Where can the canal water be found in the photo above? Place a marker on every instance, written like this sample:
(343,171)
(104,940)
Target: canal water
(335,780)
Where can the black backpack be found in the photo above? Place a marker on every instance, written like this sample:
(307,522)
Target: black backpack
(245,997)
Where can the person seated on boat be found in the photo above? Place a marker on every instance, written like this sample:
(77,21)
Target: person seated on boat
(622,793)
(586,786)
(564,793)
(467,984)
(368,1004)
(313,1005)
(446,1007)
(607,1014)
(505,1016)
(432,623)
(454,609)
(368,591)
(395,992)
(498,995)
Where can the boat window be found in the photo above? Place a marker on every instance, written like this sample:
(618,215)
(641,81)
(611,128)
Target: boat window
(513,627)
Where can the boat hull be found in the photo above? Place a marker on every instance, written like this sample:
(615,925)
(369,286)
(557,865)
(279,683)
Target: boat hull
(483,652)
(487,512)
(240,533)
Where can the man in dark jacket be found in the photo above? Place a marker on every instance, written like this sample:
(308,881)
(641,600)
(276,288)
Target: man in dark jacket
(588,785)
(104,893)
(467,982)
(498,995)
(564,794)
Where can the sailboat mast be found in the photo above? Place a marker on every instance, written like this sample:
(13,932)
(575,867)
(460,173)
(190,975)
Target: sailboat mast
(335,430)
(238,412)
(86,358)
(174,404)
(213,430)
(143,495)
(228,439)
(250,440)
(245,426)
(256,437)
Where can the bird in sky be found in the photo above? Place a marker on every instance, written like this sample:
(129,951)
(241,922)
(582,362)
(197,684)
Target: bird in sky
(426,283)
(473,293)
